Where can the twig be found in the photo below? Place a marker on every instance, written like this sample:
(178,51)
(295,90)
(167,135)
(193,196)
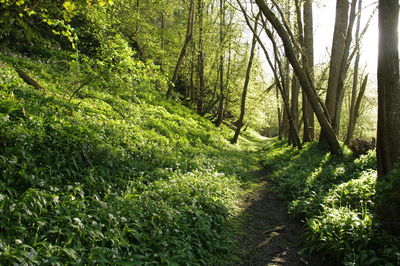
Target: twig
(253,230)
(276,229)
(80,88)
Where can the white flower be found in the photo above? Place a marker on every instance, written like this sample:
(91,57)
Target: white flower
(123,220)
(18,241)
(77,220)
(56,199)
(110,216)
(94,223)
(69,187)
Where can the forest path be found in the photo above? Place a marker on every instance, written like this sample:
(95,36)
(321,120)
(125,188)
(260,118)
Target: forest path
(268,235)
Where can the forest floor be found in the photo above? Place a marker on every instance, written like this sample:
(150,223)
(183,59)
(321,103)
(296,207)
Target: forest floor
(269,236)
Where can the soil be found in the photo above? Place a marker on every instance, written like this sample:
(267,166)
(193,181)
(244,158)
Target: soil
(269,236)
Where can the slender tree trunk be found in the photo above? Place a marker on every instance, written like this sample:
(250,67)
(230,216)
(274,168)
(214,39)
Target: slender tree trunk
(308,62)
(221,64)
(239,122)
(162,37)
(354,91)
(189,36)
(278,106)
(201,64)
(304,78)
(294,106)
(193,91)
(338,46)
(344,67)
(286,87)
(356,111)
(286,76)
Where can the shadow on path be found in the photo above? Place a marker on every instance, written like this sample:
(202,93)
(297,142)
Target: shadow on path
(269,236)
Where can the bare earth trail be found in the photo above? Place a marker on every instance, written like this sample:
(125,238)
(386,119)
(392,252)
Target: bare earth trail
(269,236)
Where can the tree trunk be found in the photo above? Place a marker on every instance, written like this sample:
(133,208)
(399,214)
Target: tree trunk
(354,91)
(388,141)
(344,67)
(193,91)
(308,63)
(356,111)
(200,100)
(221,64)
(239,122)
(189,36)
(338,46)
(285,74)
(286,87)
(294,106)
(304,78)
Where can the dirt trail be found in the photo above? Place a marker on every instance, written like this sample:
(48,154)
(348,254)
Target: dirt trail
(270,236)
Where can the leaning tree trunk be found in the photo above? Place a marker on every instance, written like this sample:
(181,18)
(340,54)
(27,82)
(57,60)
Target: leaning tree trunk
(189,36)
(239,122)
(304,78)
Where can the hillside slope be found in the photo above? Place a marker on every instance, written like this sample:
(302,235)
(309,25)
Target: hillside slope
(91,176)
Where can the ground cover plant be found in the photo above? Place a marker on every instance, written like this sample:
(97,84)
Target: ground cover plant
(336,200)
(89,176)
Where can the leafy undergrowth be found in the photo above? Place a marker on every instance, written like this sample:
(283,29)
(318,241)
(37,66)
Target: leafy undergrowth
(335,198)
(109,172)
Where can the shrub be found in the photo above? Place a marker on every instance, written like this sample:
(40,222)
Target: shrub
(336,199)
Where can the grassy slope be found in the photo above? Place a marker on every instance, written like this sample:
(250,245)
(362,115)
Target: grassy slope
(335,198)
(107,178)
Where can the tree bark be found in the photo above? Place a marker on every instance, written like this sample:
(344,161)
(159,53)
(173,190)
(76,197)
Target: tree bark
(201,64)
(388,141)
(294,106)
(285,74)
(308,62)
(221,64)
(304,78)
(189,36)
